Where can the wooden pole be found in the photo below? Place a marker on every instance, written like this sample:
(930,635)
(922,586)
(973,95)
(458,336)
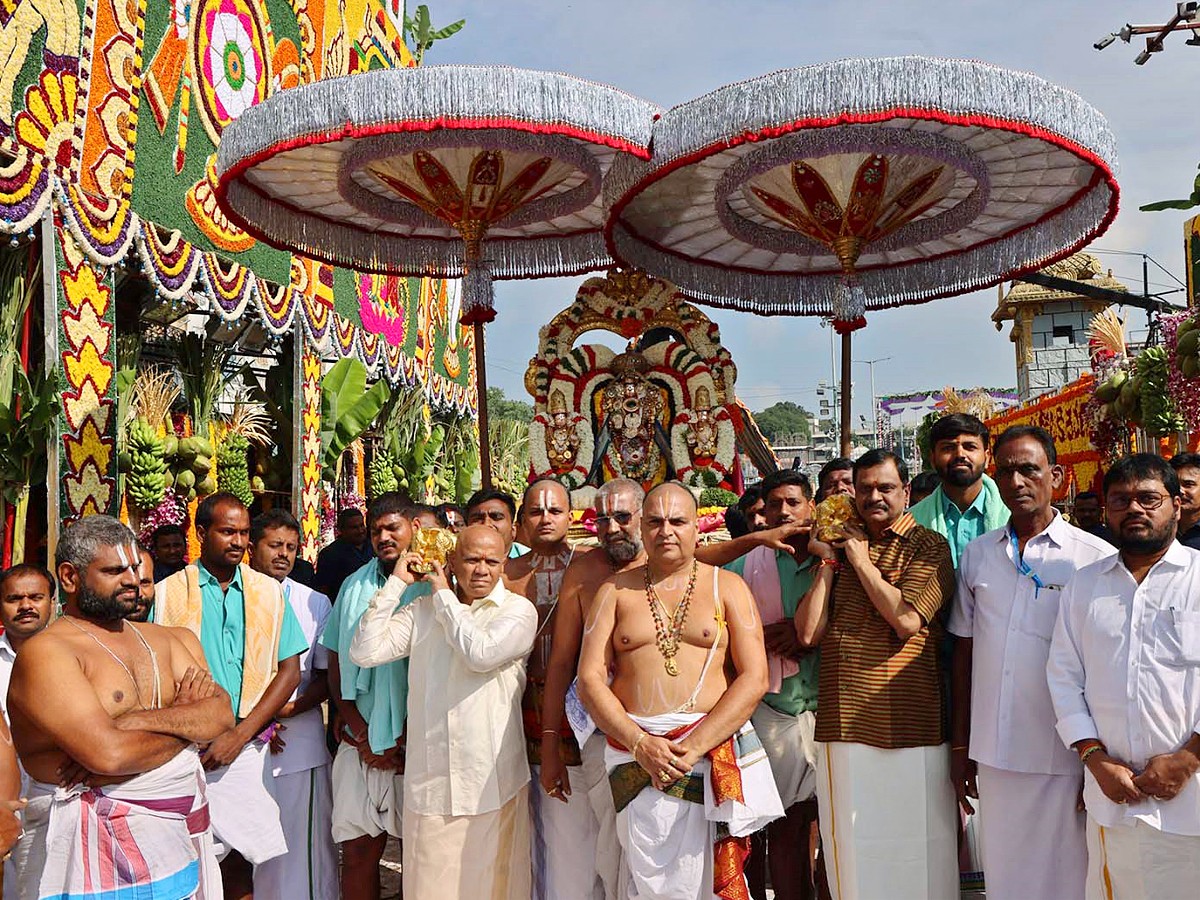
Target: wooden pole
(485,452)
(846,434)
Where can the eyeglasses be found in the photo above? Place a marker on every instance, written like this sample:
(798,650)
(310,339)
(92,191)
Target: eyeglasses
(1147,501)
(622,518)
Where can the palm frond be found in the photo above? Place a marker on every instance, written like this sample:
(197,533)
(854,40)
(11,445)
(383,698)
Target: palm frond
(248,419)
(1107,332)
(155,392)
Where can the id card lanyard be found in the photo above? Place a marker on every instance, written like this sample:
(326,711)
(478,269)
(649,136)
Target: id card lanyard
(1022,566)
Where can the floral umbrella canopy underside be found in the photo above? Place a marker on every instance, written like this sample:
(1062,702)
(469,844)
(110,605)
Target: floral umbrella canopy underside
(443,170)
(863,184)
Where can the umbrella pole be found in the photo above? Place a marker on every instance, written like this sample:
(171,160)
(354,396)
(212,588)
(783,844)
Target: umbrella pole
(485,450)
(846,389)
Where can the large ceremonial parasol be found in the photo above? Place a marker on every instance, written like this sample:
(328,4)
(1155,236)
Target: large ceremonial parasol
(445,171)
(863,184)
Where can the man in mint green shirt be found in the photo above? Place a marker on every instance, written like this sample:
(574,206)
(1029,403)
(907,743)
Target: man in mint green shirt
(252,644)
(967,504)
(786,717)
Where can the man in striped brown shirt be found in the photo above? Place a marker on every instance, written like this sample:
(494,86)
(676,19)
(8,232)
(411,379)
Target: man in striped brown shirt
(887,808)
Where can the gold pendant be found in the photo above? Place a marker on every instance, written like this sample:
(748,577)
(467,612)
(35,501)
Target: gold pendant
(672,669)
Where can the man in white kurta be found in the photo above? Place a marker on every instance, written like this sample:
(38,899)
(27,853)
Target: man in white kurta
(466,785)
(1124,675)
(1010,581)
(299,762)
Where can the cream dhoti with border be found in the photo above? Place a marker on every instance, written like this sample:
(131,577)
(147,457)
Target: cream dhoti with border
(669,842)
(245,816)
(309,869)
(1032,840)
(609,863)
(484,857)
(888,824)
(1139,862)
(366,801)
(564,842)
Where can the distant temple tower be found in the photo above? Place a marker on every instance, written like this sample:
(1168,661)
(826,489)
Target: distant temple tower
(1050,326)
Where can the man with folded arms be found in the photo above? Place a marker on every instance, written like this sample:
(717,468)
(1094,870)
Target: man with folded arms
(1010,582)
(888,825)
(466,784)
(684,645)
(1124,675)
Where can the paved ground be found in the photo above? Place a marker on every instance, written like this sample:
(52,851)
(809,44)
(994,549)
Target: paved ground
(389,872)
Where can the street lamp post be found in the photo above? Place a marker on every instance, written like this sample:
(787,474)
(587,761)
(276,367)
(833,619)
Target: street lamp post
(874,410)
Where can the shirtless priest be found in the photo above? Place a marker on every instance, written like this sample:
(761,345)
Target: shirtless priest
(684,644)
(115,773)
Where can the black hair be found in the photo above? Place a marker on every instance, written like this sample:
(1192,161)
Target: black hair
(443,510)
(735,522)
(1185,461)
(480,497)
(749,497)
(208,507)
(1087,495)
(389,504)
(346,513)
(163,531)
(27,569)
(949,427)
(1039,434)
(878,457)
(417,508)
(840,464)
(270,520)
(783,477)
(925,483)
(1142,467)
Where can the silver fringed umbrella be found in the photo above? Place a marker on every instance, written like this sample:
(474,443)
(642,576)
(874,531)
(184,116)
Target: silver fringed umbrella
(448,171)
(864,184)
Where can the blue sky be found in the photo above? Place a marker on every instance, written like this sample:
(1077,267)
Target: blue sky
(670,51)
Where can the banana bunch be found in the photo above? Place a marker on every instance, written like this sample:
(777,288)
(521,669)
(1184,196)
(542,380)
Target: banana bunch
(381,475)
(145,465)
(1187,347)
(1158,413)
(233,468)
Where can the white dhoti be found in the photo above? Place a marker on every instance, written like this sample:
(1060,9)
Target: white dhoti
(1139,862)
(245,817)
(366,802)
(564,842)
(1033,837)
(484,857)
(147,837)
(309,870)
(668,842)
(609,864)
(788,742)
(888,822)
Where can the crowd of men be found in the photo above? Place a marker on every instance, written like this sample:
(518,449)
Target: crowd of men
(647,718)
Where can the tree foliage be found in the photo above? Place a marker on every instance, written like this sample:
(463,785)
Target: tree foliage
(782,420)
(500,407)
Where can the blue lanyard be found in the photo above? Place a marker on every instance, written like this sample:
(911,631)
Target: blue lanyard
(1022,566)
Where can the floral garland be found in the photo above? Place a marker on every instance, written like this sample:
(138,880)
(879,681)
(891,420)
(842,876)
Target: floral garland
(1183,391)
(540,460)
(717,471)
(170,511)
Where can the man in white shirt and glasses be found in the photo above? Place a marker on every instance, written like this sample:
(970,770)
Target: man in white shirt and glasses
(466,786)
(1124,675)
(1010,581)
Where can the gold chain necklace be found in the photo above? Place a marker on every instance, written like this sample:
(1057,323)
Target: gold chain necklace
(668,639)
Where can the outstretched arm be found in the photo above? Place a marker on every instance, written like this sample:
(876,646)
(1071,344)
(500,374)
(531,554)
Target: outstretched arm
(723,553)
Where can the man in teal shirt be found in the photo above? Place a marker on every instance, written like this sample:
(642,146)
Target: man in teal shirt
(368,784)
(252,643)
(967,504)
(786,717)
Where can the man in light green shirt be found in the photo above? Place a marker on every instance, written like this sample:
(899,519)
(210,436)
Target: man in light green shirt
(786,717)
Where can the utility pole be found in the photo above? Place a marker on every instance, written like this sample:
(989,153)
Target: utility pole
(874,411)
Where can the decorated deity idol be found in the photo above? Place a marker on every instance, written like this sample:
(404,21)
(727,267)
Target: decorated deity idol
(702,430)
(631,407)
(562,435)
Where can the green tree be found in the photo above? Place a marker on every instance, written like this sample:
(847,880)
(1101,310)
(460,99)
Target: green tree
(782,420)
(500,407)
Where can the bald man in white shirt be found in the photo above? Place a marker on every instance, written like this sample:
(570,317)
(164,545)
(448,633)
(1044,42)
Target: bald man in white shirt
(466,784)
(1010,581)
(1124,675)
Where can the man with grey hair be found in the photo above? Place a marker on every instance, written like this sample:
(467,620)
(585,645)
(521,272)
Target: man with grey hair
(118,741)
(618,528)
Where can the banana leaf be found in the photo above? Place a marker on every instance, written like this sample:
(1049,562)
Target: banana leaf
(348,409)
